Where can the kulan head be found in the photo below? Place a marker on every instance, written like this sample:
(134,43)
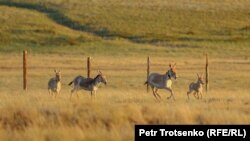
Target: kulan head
(58,74)
(172,71)
(200,78)
(102,78)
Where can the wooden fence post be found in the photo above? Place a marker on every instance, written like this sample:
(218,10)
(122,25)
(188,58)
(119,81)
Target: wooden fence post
(88,67)
(207,74)
(25,70)
(148,71)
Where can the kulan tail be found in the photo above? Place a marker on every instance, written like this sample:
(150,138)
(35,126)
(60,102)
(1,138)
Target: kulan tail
(70,83)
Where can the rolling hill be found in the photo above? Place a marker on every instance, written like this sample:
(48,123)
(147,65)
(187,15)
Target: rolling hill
(181,24)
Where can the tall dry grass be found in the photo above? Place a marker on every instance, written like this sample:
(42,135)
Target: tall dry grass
(124,102)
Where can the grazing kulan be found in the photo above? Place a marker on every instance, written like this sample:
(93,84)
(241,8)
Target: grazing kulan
(196,87)
(54,84)
(162,81)
(88,84)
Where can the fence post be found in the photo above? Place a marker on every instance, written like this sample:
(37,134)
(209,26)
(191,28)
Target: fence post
(25,70)
(207,73)
(88,67)
(148,71)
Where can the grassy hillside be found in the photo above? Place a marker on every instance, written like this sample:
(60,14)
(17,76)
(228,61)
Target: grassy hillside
(178,24)
(30,28)
(168,23)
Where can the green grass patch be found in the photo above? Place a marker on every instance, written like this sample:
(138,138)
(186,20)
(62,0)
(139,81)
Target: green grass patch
(162,23)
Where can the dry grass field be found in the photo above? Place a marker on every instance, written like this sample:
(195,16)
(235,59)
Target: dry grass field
(119,35)
(118,106)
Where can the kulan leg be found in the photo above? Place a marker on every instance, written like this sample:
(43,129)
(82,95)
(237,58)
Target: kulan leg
(172,94)
(200,93)
(93,94)
(153,90)
(57,93)
(74,90)
(49,92)
(188,93)
(157,94)
(196,95)
(71,93)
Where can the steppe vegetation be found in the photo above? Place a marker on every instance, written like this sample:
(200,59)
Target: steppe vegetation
(119,35)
